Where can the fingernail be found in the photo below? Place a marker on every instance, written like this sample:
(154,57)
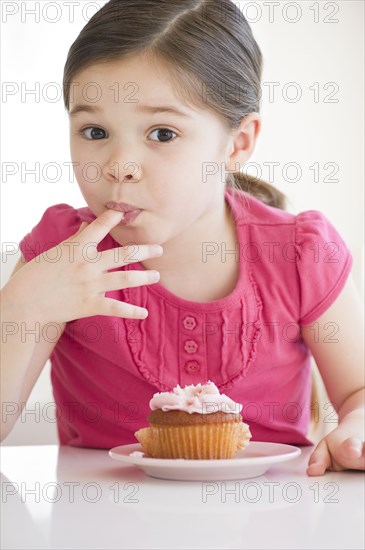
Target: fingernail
(157,250)
(155,276)
(117,211)
(356,447)
(144,313)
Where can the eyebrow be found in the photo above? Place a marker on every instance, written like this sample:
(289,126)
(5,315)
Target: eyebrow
(151,109)
(162,109)
(79,108)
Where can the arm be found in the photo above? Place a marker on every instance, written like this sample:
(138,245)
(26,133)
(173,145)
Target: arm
(22,356)
(340,360)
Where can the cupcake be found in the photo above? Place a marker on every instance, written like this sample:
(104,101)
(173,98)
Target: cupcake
(195,422)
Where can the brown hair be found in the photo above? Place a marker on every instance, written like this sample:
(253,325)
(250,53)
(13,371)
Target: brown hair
(208,47)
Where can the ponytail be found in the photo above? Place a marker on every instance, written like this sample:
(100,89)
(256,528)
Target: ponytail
(260,189)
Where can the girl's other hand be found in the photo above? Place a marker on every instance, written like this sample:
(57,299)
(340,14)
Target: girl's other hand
(341,449)
(74,286)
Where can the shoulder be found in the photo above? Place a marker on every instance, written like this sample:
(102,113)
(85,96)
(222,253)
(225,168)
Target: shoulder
(310,251)
(57,223)
(67,217)
(249,210)
(304,226)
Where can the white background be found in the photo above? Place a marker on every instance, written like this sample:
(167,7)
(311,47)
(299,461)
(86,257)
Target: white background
(324,58)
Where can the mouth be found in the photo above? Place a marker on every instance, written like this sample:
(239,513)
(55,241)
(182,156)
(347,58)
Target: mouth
(122,207)
(130,212)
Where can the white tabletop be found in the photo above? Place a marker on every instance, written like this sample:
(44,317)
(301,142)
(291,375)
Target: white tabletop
(69,497)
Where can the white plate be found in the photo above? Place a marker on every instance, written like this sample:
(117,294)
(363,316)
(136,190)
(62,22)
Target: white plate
(252,461)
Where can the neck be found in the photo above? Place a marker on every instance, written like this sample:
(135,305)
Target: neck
(198,248)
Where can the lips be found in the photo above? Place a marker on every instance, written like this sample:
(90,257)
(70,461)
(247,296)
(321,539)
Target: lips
(122,207)
(130,212)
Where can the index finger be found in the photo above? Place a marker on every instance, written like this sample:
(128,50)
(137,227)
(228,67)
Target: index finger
(100,227)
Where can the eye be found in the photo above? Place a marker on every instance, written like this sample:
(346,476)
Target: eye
(164,134)
(96,133)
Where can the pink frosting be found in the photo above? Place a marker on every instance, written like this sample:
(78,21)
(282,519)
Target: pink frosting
(202,398)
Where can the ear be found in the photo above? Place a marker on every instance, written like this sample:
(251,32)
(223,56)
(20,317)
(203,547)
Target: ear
(242,142)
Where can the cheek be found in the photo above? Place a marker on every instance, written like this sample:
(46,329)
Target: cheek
(78,171)
(90,191)
(81,157)
(88,175)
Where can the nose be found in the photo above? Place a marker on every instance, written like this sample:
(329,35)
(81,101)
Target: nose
(123,170)
(121,163)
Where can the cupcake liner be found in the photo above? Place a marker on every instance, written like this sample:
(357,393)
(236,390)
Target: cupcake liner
(199,441)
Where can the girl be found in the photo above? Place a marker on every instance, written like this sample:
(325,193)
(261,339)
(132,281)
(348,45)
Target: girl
(181,269)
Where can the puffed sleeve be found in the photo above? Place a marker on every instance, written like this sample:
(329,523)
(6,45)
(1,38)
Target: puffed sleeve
(324,262)
(57,223)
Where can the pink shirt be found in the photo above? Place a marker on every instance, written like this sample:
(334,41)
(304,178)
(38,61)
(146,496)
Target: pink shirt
(106,369)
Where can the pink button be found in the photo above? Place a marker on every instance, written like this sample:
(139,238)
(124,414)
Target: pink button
(189,322)
(190,346)
(191,367)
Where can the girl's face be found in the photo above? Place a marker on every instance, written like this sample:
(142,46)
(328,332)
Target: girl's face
(126,147)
